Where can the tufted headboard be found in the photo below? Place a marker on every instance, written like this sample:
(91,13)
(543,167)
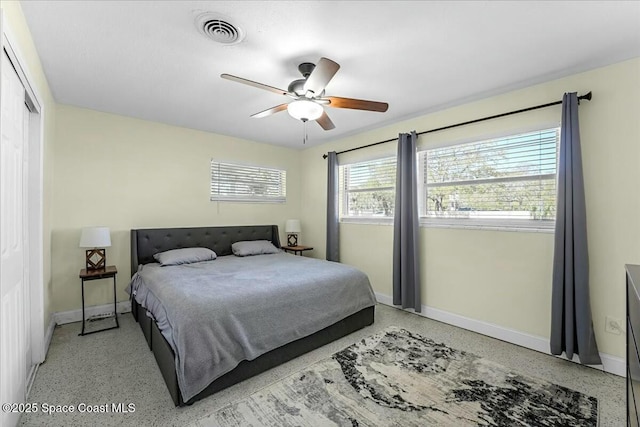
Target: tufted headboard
(149,241)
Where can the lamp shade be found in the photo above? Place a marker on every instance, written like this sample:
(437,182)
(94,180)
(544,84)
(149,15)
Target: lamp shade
(303,109)
(95,237)
(292,226)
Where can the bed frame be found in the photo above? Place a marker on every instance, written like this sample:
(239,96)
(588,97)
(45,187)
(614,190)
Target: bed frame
(147,242)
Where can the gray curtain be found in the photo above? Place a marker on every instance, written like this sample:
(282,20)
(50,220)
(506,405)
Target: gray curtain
(571,324)
(406,266)
(333,237)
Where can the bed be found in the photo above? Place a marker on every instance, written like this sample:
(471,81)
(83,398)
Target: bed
(213,324)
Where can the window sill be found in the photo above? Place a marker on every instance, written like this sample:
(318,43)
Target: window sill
(367,220)
(229,200)
(521,227)
(428,223)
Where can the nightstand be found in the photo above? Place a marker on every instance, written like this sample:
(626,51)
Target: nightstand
(103,273)
(297,250)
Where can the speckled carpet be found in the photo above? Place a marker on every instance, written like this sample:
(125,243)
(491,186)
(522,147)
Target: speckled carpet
(397,377)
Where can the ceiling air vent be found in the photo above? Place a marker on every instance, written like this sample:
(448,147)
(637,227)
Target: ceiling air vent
(219,28)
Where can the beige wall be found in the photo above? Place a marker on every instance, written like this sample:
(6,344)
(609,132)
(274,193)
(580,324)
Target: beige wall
(126,173)
(503,277)
(23,44)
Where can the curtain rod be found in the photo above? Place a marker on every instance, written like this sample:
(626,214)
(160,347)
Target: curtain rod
(586,96)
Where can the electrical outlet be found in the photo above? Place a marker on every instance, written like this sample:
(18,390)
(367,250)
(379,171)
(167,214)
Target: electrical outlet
(613,325)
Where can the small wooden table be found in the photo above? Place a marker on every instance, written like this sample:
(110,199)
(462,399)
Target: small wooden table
(297,250)
(102,273)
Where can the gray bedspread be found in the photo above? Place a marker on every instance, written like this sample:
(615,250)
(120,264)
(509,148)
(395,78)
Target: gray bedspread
(217,313)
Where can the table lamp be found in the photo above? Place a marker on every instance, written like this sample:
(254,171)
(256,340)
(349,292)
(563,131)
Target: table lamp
(96,238)
(292,228)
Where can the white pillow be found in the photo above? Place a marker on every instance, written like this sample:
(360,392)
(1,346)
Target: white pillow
(184,256)
(253,247)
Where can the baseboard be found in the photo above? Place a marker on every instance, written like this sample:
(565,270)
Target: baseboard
(31,379)
(49,334)
(612,364)
(97,310)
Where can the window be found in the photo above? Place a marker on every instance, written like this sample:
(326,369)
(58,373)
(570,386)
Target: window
(368,189)
(508,181)
(240,183)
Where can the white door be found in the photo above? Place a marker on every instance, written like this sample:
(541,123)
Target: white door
(29,365)
(13,335)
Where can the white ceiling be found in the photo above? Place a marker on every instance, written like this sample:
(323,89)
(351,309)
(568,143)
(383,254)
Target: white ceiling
(146,59)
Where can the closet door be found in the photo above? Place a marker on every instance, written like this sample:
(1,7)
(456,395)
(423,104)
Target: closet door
(13,333)
(27,303)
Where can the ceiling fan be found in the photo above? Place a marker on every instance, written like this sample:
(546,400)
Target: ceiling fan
(308,95)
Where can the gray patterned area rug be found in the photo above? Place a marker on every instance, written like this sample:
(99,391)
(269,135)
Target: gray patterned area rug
(398,378)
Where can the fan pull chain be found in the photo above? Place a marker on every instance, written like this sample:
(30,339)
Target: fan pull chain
(305,137)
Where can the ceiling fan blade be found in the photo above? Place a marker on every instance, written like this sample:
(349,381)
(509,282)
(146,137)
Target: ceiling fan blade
(254,84)
(357,104)
(270,111)
(325,122)
(320,76)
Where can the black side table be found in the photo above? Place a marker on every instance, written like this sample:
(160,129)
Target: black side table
(297,250)
(103,273)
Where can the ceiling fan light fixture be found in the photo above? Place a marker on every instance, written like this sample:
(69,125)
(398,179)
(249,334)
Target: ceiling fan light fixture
(304,109)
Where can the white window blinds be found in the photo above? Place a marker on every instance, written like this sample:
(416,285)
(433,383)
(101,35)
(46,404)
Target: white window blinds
(368,188)
(242,183)
(510,178)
